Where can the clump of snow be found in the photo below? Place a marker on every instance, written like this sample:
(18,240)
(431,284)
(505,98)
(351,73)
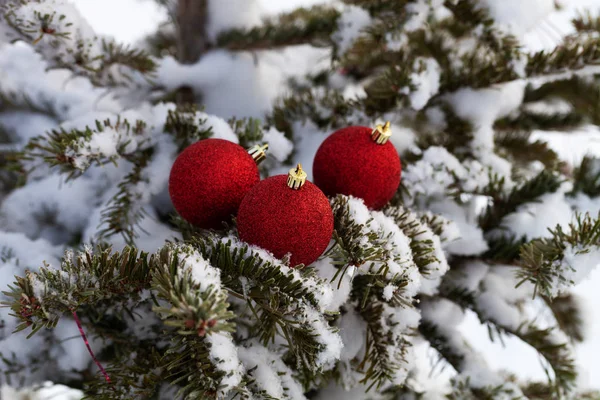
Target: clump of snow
(221,18)
(426,81)
(224,356)
(279,146)
(331,341)
(271,374)
(576,265)
(203,274)
(351,22)
(518,17)
(532,220)
(46,391)
(402,137)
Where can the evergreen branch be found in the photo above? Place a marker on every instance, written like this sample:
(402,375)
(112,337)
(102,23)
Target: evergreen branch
(359,246)
(586,22)
(194,312)
(504,248)
(462,389)
(386,348)
(73,151)
(286,302)
(517,145)
(162,42)
(327,109)
(586,178)
(304,25)
(248,130)
(552,264)
(568,315)
(544,182)
(13,101)
(573,54)
(380,8)
(187,126)
(40,298)
(544,340)
(425,245)
(529,121)
(581,92)
(55,37)
(123,213)
(441,342)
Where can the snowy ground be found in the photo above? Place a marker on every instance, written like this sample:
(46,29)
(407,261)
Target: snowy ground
(138,17)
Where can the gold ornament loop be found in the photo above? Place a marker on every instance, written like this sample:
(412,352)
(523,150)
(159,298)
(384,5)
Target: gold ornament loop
(381,134)
(258,152)
(296,177)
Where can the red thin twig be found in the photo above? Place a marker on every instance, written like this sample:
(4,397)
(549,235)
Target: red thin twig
(87,344)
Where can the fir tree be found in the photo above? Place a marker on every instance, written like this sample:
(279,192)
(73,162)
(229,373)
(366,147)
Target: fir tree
(488,219)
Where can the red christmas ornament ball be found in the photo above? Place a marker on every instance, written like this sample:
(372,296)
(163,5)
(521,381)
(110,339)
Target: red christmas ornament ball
(209,179)
(284,221)
(351,162)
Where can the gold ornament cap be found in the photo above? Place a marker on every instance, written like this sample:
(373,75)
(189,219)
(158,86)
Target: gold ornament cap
(258,152)
(381,134)
(296,177)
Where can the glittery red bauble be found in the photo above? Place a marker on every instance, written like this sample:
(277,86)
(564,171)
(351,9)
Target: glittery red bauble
(209,179)
(283,220)
(350,162)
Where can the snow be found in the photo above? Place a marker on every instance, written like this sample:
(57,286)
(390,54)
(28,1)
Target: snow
(532,220)
(46,391)
(427,82)
(577,264)
(270,373)
(280,147)
(516,16)
(203,274)
(220,18)
(331,342)
(351,22)
(224,356)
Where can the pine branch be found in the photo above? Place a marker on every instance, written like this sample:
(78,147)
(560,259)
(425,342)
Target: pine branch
(248,130)
(327,110)
(586,22)
(425,245)
(581,92)
(517,145)
(504,248)
(568,315)
(462,389)
(56,38)
(187,126)
(529,121)
(287,302)
(124,213)
(586,178)
(304,25)
(543,261)
(73,151)
(544,182)
(194,312)
(40,298)
(558,355)
(573,54)
(359,246)
(386,348)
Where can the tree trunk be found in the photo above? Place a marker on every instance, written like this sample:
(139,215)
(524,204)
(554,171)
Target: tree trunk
(191,39)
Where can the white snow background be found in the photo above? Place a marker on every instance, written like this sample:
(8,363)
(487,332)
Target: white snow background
(130,20)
